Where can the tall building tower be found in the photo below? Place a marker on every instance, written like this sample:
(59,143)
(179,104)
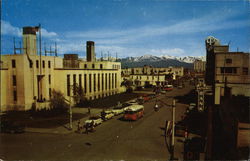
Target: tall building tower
(90,48)
(29,40)
(210,43)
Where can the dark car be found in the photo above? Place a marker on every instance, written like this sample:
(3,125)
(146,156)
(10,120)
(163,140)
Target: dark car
(180,130)
(11,127)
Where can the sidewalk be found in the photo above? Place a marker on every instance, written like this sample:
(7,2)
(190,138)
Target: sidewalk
(65,128)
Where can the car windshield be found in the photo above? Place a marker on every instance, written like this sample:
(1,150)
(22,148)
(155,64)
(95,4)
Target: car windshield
(94,118)
(126,104)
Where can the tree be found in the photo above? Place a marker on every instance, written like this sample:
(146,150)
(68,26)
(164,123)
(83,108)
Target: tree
(58,101)
(79,96)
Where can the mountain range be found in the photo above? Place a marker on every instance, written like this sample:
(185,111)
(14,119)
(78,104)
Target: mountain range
(159,61)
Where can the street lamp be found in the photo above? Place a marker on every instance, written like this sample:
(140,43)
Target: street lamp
(173,130)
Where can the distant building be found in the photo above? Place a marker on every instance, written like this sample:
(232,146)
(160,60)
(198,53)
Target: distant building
(149,75)
(27,79)
(227,69)
(199,66)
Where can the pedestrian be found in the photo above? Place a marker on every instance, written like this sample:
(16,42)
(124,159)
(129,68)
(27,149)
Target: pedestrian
(88,109)
(79,126)
(86,128)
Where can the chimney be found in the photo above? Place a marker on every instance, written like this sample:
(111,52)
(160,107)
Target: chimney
(29,40)
(90,48)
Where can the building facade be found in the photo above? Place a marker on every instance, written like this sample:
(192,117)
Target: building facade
(149,75)
(199,66)
(27,79)
(226,70)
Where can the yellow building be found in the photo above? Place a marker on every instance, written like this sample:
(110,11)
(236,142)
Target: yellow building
(199,66)
(149,75)
(226,69)
(28,78)
(232,70)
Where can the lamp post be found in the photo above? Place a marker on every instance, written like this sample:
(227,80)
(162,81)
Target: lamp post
(70,115)
(173,130)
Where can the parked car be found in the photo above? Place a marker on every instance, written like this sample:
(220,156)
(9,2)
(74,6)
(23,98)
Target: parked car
(106,115)
(163,92)
(126,105)
(152,96)
(11,127)
(180,130)
(140,100)
(180,87)
(190,107)
(168,88)
(133,102)
(96,119)
(117,110)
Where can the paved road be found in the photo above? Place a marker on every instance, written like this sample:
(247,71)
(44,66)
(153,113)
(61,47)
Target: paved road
(114,139)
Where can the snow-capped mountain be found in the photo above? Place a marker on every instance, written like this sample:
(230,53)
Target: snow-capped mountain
(160,61)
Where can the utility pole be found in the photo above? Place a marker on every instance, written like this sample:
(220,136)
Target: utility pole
(70,115)
(173,130)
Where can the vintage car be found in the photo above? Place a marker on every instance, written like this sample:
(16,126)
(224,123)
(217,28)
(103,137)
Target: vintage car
(106,115)
(117,110)
(97,120)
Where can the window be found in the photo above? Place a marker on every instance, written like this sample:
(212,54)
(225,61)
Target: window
(80,80)
(37,64)
(109,81)
(102,81)
(228,70)
(94,82)
(115,80)
(50,93)
(112,80)
(14,95)
(101,66)
(106,81)
(14,80)
(85,83)
(74,84)
(49,64)
(229,61)
(68,85)
(43,64)
(49,79)
(85,66)
(31,64)
(90,89)
(93,66)
(245,71)
(13,63)
(98,82)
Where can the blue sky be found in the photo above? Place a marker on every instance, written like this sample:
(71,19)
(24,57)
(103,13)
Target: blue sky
(129,27)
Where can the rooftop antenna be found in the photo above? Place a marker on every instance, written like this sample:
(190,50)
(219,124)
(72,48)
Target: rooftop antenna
(108,56)
(55,49)
(116,56)
(14,41)
(19,48)
(101,56)
(45,50)
(50,50)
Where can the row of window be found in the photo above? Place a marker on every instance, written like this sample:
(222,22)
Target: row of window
(140,77)
(13,62)
(93,66)
(100,82)
(232,70)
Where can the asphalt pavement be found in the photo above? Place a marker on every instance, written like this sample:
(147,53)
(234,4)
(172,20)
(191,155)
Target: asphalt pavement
(114,139)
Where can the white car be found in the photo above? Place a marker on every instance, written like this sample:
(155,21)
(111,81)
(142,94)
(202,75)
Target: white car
(106,115)
(117,110)
(96,119)
(133,102)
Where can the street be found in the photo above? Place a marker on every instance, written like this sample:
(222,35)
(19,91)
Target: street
(114,139)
